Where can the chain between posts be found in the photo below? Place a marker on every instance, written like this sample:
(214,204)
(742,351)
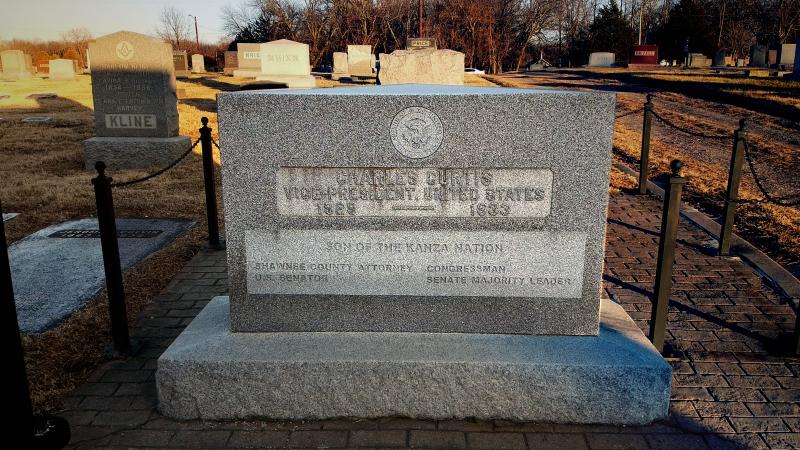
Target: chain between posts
(789,201)
(625,114)
(671,124)
(159,172)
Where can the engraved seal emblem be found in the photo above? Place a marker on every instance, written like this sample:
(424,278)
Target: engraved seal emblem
(416,132)
(124,50)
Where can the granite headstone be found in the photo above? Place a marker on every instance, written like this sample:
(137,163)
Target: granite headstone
(438,263)
(787,54)
(422,66)
(359,60)
(758,56)
(340,67)
(135,104)
(231,62)
(286,62)
(249,60)
(16,65)
(198,63)
(180,60)
(61,69)
(602,59)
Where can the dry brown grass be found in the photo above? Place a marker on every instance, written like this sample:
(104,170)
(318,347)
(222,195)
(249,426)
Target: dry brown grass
(773,228)
(775,96)
(43,179)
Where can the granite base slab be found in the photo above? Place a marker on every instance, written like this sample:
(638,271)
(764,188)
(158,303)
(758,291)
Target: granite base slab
(616,377)
(133,152)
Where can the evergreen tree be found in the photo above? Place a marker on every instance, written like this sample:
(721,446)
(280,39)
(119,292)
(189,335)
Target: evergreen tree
(610,32)
(687,20)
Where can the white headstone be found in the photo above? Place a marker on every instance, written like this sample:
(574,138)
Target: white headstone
(286,62)
(198,64)
(62,69)
(359,60)
(602,59)
(16,65)
(340,67)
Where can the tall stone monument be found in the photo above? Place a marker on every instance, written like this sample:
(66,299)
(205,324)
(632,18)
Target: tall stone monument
(231,62)
(249,60)
(359,60)
(61,70)
(16,65)
(198,64)
(422,66)
(286,62)
(135,105)
(180,60)
(436,264)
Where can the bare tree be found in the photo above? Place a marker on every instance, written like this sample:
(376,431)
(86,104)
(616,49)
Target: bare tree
(78,38)
(174,26)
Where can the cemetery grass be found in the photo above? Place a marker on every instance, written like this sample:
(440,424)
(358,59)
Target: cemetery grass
(769,95)
(772,228)
(43,179)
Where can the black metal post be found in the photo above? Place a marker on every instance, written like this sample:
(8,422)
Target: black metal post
(644,159)
(211,190)
(24,429)
(108,242)
(666,255)
(732,193)
(20,411)
(796,336)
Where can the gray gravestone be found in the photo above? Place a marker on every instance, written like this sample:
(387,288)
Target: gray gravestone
(231,62)
(436,245)
(180,60)
(249,56)
(135,104)
(15,64)
(758,56)
(602,59)
(718,59)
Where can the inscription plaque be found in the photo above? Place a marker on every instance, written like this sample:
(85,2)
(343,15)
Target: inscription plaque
(401,192)
(424,263)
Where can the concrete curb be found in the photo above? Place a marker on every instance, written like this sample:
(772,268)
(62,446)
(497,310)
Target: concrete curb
(765,265)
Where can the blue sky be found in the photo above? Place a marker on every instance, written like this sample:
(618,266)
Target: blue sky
(47,19)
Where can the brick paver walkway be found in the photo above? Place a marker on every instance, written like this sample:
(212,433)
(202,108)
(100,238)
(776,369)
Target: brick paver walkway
(729,391)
